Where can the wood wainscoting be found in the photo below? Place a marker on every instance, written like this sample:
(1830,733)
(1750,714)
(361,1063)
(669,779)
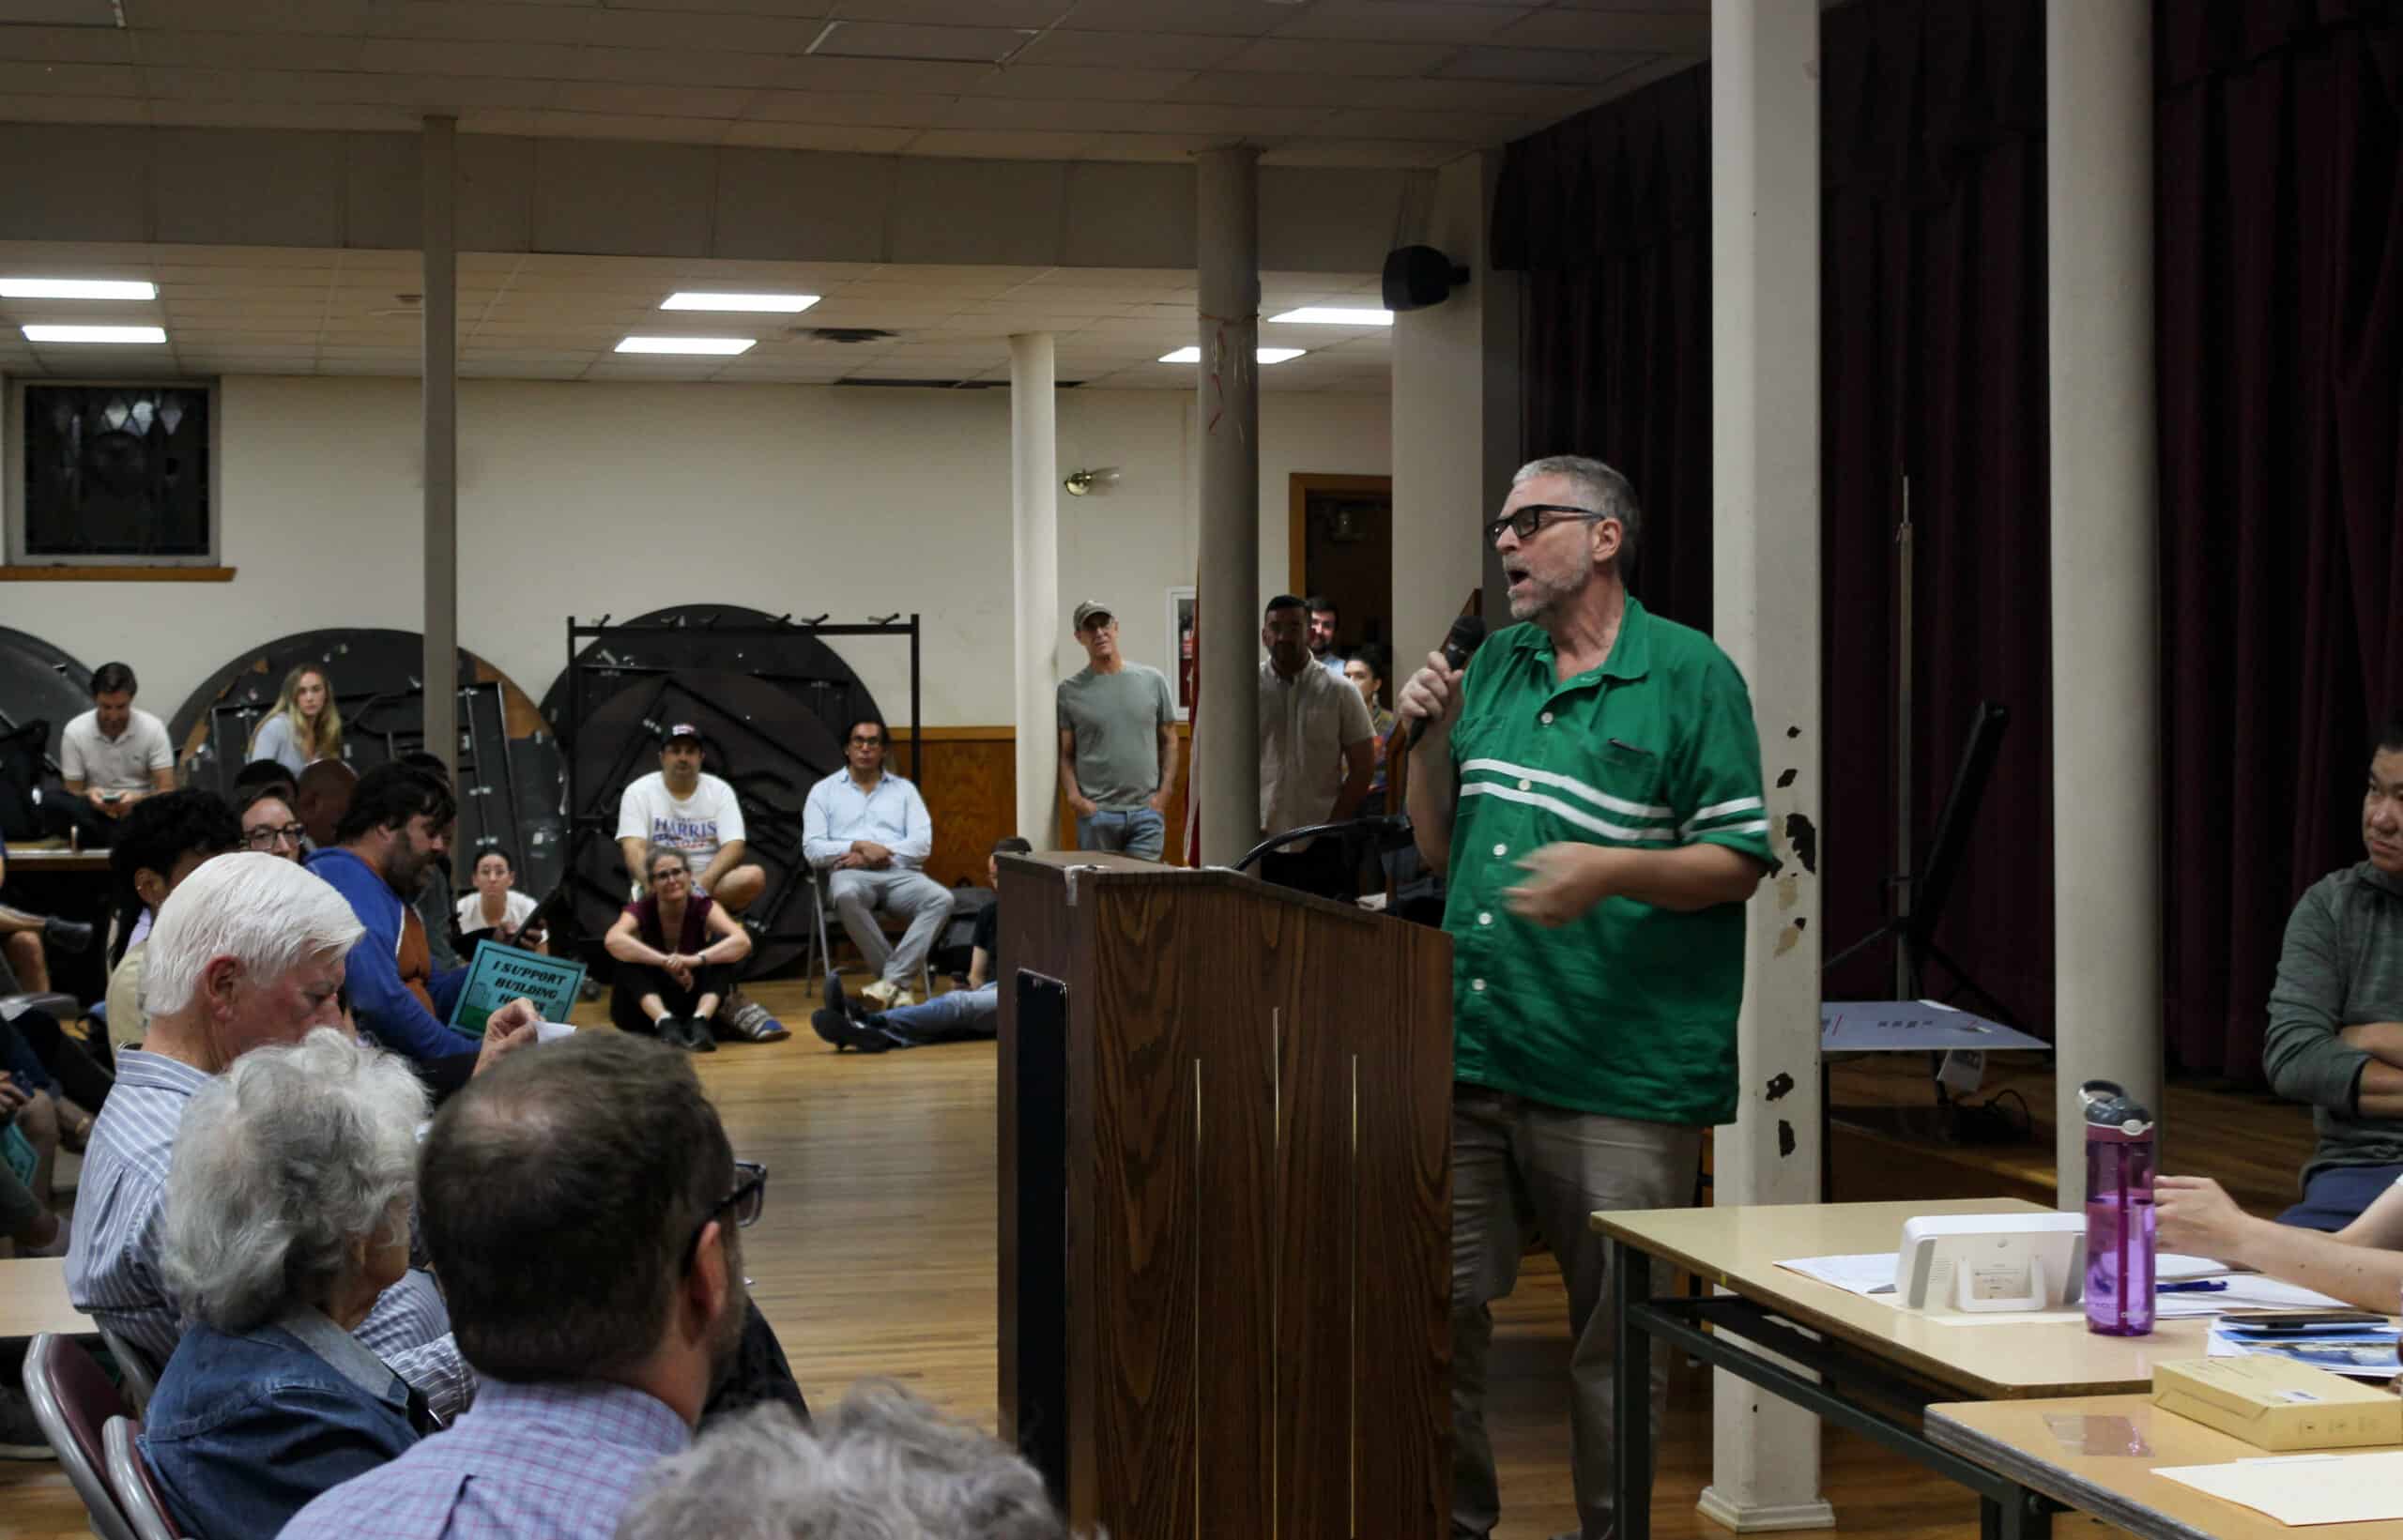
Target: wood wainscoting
(971,787)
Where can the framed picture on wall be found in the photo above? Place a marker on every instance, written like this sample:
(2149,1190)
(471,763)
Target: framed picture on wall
(1182,677)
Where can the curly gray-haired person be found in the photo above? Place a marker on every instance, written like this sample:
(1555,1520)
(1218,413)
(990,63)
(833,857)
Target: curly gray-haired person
(885,1466)
(288,1214)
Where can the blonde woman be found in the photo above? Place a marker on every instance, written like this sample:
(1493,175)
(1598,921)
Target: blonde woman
(305,726)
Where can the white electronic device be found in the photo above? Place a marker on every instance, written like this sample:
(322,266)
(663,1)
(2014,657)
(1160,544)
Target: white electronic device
(1976,1262)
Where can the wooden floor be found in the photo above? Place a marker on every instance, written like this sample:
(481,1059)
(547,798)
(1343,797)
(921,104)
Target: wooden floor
(875,1256)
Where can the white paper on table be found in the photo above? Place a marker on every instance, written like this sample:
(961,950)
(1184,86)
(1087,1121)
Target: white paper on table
(2250,1291)
(2305,1489)
(2173,1267)
(1869,1272)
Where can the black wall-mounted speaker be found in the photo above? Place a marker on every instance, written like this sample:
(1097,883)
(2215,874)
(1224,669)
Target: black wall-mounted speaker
(1420,275)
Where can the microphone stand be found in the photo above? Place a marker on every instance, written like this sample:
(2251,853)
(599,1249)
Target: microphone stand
(1387,825)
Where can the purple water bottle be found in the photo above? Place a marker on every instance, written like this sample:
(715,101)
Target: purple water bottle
(2119,1211)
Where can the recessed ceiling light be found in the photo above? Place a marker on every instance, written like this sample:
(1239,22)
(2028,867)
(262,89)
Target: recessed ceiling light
(1333,315)
(76,288)
(1267,355)
(721,346)
(781,304)
(95,334)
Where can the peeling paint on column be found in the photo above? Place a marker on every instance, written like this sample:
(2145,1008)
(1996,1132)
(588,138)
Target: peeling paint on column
(1789,891)
(1789,937)
(1784,1138)
(1785,777)
(1780,1086)
(1803,835)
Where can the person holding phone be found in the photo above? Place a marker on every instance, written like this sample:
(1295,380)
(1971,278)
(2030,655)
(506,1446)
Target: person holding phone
(114,755)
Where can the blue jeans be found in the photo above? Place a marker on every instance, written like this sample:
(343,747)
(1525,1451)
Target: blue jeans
(1136,832)
(948,1018)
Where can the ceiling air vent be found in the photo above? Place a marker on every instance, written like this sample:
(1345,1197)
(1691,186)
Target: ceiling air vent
(846,335)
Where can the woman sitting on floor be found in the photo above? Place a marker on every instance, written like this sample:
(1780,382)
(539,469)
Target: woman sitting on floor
(676,951)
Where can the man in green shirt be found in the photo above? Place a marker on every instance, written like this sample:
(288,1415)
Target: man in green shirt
(1609,827)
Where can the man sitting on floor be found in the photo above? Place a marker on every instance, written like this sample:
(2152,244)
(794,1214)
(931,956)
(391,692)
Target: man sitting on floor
(114,755)
(2335,1034)
(248,950)
(961,1015)
(398,823)
(867,829)
(681,807)
(580,1203)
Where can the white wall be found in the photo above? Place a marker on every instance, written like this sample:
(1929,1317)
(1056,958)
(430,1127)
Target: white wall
(592,498)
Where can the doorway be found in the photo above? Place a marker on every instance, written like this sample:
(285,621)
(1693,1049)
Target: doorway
(1341,538)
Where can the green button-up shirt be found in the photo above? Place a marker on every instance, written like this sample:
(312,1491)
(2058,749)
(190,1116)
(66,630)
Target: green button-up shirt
(1630,1010)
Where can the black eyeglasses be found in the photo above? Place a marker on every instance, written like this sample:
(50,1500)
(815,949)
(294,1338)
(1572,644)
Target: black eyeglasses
(750,1196)
(268,838)
(1525,522)
(868,742)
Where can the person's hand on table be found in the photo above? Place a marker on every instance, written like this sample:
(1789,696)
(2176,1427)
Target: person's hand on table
(2195,1216)
(506,1030)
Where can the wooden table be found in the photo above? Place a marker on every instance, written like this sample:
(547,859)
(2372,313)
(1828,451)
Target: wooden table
(54,858)
(1879,1366)
(2012,1439)
(33,1299)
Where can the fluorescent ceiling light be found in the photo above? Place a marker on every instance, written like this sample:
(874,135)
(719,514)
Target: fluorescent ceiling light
(76,288)
(720,346)
(1267,355)
(1333,315)
(782,304)
(96,334)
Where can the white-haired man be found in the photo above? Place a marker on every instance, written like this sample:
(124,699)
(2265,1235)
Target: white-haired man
(247,952)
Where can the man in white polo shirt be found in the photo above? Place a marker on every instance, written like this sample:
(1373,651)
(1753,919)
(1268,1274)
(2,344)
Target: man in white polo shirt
(114,755)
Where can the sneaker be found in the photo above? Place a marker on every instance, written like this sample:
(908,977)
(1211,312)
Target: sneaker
(838,1029)
(670,1029)
(701,1033)
(67,935)
(882,992)
(21,1434)
(900,999)
(749,1022)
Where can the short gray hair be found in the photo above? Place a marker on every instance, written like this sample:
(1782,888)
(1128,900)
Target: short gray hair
(280,1165)
(263,911)
(650,854)
(1603,490)
(885,1466)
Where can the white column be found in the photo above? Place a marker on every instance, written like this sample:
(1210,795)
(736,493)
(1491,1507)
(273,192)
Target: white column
(1034,550)
(2105,615)
(1226,734)
(1455,418)
(1765,598)
(442,417)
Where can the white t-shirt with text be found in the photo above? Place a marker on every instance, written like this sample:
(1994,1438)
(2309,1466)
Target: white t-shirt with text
(698,825)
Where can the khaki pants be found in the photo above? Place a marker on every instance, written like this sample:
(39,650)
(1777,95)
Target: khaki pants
(1519,1165)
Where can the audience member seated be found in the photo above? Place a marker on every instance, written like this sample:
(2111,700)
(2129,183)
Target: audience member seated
(580,1203)
(957,1016)
(398,825)
(680,806)
(114,756)
(303,726)
(867,829)
(2335,1034)
(61,1083)
(25,937)
(287,1216)
(496,909)
(432,901)
(164,841)
(266,775)
(676,952)
(884,1466)
(269,826)
(323,796)
(2361,1264)
(27,1218)
(248,953)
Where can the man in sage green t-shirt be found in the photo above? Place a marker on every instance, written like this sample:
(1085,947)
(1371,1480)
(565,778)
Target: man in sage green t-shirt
(1117,742)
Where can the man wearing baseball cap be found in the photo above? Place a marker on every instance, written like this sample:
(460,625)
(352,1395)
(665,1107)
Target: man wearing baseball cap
(681,807)
(1117,742)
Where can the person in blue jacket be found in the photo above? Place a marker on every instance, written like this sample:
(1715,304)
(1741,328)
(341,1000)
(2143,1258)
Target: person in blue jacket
(399,824)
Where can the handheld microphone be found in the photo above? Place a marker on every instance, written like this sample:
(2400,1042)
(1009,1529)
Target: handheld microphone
(1459,644)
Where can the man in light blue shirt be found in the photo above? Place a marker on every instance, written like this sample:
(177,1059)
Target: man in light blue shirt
(868,834)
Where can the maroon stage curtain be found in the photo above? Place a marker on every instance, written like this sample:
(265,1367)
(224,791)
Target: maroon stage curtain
(1933,359)
(2279,159)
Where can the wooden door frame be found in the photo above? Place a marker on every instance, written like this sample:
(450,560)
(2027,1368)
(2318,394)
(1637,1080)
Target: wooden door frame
(1299,486)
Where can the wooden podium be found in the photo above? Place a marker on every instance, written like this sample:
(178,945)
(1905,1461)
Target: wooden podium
(1225,1204)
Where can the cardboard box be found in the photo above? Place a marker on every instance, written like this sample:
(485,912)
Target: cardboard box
(2275,1403)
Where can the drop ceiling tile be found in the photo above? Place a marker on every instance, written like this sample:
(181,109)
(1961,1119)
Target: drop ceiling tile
(76,44)
(938,78)
(1013,113)
(913,109)
(890,40)
(1405,21)
(861,139)
(423,56)
(1621,30)
(1363,153)
(655,131)
(1552,103)
(998,13)
(308,117)
(1080,83)
(53,79)
(1259,90)
(124,111)
(1228,18)
(1324,56)
(229,50)
(1545,65)
(1172,50)
(1174,150)
(678,65)
(1451,128)
(686,101)
(983,145)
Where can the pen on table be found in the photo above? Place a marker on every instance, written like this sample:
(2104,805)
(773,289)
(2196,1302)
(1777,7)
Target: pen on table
(2198,1285)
